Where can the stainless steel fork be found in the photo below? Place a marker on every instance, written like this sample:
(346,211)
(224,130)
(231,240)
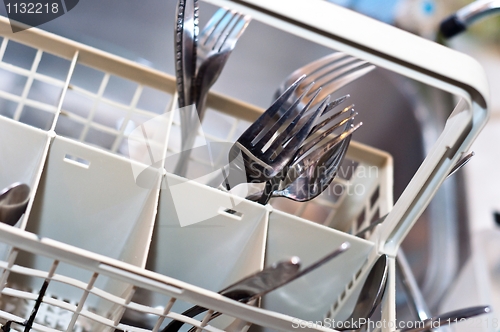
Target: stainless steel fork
(266,148)
(331,72)
(314,170)
(216,42)
(186,34)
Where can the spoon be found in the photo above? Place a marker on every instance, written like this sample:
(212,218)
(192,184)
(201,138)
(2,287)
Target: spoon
(13,202)
(260,283)
(369,298)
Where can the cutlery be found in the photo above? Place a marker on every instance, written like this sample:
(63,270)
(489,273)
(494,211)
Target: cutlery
(332,67)
(13,202)
(416,300)
(265,147)
(331,72)
(261,283)
(309,177)
(244,289)
(216,42)
(369,298)
(186,35)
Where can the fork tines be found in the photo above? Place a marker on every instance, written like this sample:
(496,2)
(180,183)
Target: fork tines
(225,25)
(267,141)
(316,138)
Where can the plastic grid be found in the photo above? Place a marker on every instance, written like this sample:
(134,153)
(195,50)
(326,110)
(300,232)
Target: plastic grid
(20,100)
(76,101)
(57,313)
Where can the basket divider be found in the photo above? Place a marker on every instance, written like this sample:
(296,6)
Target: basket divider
(389,300)
(64,90)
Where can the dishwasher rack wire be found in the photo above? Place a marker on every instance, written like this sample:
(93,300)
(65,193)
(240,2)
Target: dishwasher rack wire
(111,229)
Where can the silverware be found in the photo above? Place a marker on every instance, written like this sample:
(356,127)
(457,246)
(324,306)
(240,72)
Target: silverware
(308,177)
(416,300)
(266,148)
(244,289)
(369,298)
(216,42)
(13,202)
(461,163)
(321,130)
(186,35)
(331,72)
(261,283)
(449,318)
(28,324)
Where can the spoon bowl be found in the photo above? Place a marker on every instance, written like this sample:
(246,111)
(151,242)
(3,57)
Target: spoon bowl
(370,296)
(13,202)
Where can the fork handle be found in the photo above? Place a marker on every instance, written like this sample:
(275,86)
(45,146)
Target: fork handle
(267,194)
(214,315)
(175,325)
(190,130)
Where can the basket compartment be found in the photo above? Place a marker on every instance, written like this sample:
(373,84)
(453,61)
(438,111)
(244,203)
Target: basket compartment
(311,296)
(22,153)
(196,241)
(90,199)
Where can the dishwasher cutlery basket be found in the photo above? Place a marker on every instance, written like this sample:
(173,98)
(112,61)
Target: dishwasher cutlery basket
(125,245)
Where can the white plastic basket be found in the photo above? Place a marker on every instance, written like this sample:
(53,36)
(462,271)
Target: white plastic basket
(111,200)
(104,225)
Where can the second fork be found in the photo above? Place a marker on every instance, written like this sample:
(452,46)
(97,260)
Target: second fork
(215,44)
